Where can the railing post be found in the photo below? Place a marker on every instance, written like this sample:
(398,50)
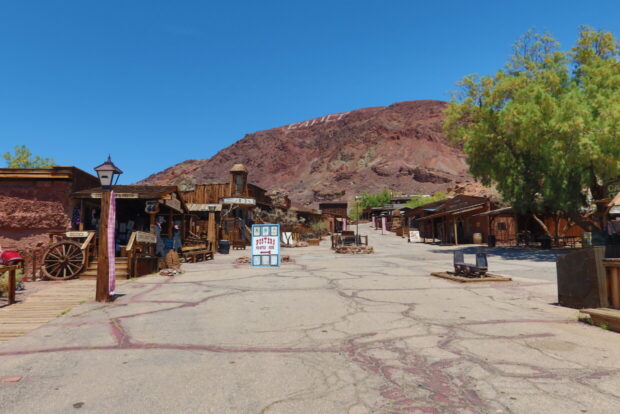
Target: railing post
(12,282)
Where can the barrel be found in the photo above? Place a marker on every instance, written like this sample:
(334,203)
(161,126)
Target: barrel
(477,238)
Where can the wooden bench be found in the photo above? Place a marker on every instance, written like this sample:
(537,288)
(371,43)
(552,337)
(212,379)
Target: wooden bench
(468,269)
(238,245)
(198,253)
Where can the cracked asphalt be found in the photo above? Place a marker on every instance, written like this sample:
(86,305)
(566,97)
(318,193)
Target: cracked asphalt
(326,334)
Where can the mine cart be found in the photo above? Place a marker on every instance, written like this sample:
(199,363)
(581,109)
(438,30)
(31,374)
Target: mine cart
(68,254)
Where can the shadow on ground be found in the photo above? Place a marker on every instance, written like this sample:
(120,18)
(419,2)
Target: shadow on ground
(512,253)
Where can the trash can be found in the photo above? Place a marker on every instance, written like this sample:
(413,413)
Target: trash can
(491,240)
(224,247)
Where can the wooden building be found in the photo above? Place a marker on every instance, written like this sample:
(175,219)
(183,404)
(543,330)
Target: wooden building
(34,202)
(225,210)
(453,220)
(138,208)
(335,213)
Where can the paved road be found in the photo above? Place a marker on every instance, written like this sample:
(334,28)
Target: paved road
(326,334)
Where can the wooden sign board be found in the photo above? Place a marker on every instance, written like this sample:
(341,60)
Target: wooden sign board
(117,195)
(144,237)
(173,203)
(238,200)
(76,234)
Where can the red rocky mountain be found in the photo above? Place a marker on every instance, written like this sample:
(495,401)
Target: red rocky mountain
(334,157)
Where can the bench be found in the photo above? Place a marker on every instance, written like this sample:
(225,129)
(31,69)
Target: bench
(198,253)
(238,245)
(467,269)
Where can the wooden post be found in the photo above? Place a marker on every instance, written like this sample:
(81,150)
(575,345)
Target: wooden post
(456,233)
(103,288)
(614,287)
(34,265)
(152,216)
(211,231)
(12,282)
(82,215)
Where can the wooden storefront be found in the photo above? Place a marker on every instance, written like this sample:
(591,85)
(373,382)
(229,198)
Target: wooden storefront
(225,210)
(454,220)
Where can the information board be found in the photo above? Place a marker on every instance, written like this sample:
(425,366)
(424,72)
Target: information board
(265,245)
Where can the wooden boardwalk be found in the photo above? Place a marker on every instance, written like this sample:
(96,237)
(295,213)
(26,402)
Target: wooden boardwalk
(41,307)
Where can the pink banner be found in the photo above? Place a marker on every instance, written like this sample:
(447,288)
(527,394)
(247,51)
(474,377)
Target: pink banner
(383,226)
(344,224)
(111,244)
(374,222)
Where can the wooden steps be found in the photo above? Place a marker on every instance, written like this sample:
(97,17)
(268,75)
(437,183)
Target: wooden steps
(43,306)
(605,317)
(122,269)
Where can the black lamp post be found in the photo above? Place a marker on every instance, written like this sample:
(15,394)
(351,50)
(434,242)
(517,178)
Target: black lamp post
(107,172)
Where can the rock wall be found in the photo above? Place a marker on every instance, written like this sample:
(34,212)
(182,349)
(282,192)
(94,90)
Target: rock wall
(30,209)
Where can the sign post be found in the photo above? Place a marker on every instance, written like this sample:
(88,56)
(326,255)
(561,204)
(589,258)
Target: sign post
(265,245)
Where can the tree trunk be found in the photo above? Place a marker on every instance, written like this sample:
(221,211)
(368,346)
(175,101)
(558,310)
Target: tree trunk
(542,224)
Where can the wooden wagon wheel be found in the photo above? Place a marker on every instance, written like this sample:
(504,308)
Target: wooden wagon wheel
(63,260)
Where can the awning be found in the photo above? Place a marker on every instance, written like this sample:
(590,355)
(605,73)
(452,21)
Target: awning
(497,212)
(455,212)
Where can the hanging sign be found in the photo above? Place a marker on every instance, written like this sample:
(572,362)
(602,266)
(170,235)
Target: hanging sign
(118,195)
(238,200)
(265,245)
(151,206)
(75,234)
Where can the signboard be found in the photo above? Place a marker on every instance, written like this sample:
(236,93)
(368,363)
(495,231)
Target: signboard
(265,245)
(238,200)
(172,203)
(151,206)
(118,195)
(144,237)
(72,234)
(414,236)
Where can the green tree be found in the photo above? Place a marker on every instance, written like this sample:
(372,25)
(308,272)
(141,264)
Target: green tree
(370,200)
(420,200)
(545,129)
(23,158)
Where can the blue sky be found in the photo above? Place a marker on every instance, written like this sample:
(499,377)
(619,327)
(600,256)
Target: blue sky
(158,82)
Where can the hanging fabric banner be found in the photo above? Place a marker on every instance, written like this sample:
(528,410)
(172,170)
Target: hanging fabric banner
(374,222)
(383,225)
(111,244)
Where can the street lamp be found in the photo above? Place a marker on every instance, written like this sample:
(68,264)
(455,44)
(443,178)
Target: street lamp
(107,172)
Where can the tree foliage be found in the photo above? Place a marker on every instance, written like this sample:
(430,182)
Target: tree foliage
(370,200)
(23,158)
(420,200)
(545,129)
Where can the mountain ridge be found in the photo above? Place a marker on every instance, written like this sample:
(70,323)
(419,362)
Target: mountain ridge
(401,147)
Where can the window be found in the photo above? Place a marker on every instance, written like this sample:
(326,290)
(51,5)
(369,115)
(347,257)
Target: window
(502,226)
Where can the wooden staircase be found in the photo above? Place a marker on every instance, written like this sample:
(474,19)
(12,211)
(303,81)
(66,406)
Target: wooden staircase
(122,269)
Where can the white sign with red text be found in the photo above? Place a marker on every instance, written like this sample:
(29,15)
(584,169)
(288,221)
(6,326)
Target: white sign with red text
(265,245)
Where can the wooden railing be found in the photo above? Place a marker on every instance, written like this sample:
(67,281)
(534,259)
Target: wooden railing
(12,281)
